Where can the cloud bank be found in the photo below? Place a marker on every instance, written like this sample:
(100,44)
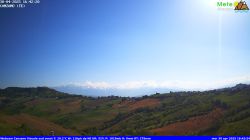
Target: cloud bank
(185,85)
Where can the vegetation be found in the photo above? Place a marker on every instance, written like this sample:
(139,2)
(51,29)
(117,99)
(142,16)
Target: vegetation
(225,111)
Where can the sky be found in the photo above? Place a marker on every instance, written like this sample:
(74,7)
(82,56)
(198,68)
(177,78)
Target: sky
(124,44)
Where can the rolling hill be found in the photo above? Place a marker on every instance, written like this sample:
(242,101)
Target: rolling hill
(38,111)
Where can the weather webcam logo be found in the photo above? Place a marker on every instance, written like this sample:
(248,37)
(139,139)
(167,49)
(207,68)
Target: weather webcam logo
(230,5)
(241,5)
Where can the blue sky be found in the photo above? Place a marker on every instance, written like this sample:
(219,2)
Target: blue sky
(124,43)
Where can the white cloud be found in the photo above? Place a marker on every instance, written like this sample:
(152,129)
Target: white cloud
(186,85)
(90,84)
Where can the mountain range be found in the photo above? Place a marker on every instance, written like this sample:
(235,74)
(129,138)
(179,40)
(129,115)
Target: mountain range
(95,92)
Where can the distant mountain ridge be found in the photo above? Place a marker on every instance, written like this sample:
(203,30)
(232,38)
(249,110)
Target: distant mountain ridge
(67,91)
(95,92)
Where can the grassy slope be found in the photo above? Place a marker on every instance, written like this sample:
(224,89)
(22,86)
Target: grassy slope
(76,115)
(240,127)
(24,124)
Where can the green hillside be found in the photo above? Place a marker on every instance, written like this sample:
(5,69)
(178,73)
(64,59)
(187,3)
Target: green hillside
(38,111)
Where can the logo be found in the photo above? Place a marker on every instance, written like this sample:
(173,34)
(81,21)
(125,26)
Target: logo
(241,6)
(230,5)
